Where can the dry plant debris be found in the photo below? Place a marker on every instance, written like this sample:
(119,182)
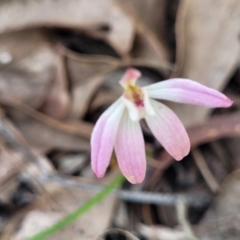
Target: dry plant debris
(59,65)
(207,34)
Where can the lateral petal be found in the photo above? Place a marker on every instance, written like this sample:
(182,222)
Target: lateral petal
(103,137)
(188,91)
(130,150)
(168,130)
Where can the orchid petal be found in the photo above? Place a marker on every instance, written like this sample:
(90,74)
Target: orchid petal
(130,150)
(188,91)
(168,130)
(130,76)
(103,137)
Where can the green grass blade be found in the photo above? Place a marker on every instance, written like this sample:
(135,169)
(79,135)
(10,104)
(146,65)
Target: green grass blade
(82,209)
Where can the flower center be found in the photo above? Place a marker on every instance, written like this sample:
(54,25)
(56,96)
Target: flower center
(134,94)
(135,98)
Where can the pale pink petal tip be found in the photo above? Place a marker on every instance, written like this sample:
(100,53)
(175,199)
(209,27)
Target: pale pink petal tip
(228,103)
(99,175)
(135,180)
(131,74)
(184,154)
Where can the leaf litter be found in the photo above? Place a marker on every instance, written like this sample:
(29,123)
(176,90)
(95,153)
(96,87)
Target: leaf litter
(59,65)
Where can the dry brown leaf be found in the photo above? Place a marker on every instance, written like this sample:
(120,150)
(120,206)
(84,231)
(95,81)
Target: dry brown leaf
(207,47)
(44,137)
(233,145)
(89,226)
(29,40)
(149,19)
(143,49)
(222,221)
(28,76)
(72,163)
(89,15)
(17,157)
(11,164)
(57,103)
(35,74)
(110,91)
(79,128)
(62,202)
(83,93)
(81,67)
(86,74)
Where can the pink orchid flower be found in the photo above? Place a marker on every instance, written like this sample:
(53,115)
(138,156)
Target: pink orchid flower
(119,126)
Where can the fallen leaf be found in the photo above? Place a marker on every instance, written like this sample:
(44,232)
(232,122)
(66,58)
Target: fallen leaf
(87,15)
(83,93)
(16,157)
(207,48)
(57,101)
(222,221)
(70,164)
(11,164)
(149,19)
(63,203)
(30,73)
(45,138)
(86,74)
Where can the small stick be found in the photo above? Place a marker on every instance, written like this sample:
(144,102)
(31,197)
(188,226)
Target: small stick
(168,199)
(206,173)
(181,208)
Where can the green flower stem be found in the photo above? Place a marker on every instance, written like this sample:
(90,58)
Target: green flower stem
(82,209)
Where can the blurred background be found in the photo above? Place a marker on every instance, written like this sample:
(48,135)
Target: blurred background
(60,63)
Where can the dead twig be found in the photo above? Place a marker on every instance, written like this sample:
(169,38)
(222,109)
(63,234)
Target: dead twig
(12,136)
(114,231)
(204,169)
(83,131)
(181,208)
(118,63)
(180,37)
(144,30)
(168,199)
